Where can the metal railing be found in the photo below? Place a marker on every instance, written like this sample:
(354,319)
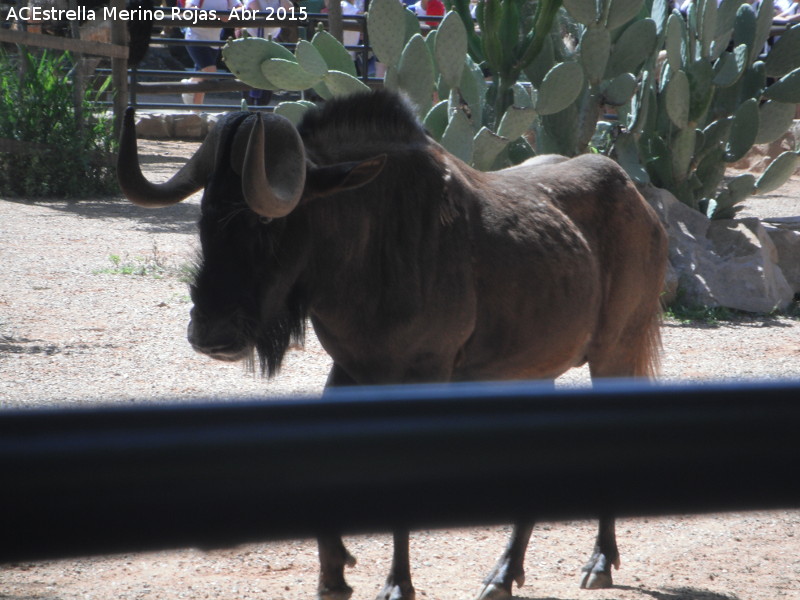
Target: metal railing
(89,481)
(223,81)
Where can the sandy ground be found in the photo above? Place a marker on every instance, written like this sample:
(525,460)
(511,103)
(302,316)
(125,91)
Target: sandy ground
(94,307)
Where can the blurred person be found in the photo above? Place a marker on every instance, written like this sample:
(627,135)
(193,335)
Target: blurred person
(205,57)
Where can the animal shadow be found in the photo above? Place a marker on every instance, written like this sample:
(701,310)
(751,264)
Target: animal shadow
(684,593)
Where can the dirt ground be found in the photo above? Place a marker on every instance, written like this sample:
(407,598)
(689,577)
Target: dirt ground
(93,310)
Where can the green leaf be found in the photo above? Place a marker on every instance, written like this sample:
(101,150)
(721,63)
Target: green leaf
(244,58)
(742,185)
(524,95)
(342,84)
(716,134)
(412,25)
(700,74)
(560,87)
(542,64)
(386,25)
(677,99)
(710,171)
(674,41)
(707,27)
(774,119)
(415,74)
(487,147)
(620,89)
(784,56)
(778,172)
(435,121)
(726,17)
(458,137)
(515,122)
(594,52)
(657,160)
(294,111)
(730,66)
(786,89)
(583,11)
(450,48)
(738,189)
(473,89)
(744,29)
(744,129)
(335,55)
(628,157)
(763,26)
(288,75)
(659,13)
(622,11)
(683,145)
(310,59)
(633,47)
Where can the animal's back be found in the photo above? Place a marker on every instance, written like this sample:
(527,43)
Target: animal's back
(570,266)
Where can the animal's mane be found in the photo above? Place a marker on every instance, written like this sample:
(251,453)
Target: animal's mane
(368,117)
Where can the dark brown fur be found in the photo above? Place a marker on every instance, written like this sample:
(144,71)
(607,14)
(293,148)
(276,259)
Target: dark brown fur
(426,270)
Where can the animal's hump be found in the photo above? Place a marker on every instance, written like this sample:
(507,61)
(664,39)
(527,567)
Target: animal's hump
(366,115)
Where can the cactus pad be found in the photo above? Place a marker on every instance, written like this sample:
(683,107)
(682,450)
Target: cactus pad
(386,23)
(450,48)
(336,57)
(560,87)
(244,57)
(288,75)
(778,172)
(415,74)
(774,119)
(458,137)
(622,11)
(343,84)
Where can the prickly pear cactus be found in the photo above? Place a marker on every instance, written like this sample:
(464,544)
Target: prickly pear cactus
(323,65)
(710,103)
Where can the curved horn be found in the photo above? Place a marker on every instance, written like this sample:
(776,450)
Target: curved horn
(273,178)
(190,178)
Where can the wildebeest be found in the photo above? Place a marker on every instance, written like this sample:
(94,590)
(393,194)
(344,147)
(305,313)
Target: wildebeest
(414,267)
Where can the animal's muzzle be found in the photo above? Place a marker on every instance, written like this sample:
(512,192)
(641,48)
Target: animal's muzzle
(217,339)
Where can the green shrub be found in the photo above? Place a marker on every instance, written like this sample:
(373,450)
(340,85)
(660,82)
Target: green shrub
(61,157)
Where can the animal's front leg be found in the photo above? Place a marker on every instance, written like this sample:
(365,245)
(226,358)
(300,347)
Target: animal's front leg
(398,583)
(596,573)
(509,568)
(333,557)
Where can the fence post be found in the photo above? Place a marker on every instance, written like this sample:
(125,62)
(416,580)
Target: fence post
(119,68)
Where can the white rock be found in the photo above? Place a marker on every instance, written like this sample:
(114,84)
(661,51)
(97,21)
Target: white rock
(730,263)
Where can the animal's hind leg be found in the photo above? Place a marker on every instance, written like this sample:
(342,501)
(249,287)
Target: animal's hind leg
(398,583)
(509,568)
(333,557)
(597,572)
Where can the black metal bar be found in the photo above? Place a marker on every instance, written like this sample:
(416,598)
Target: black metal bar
(78,482)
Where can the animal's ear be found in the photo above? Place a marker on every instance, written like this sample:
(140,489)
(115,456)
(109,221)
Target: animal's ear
(323,181)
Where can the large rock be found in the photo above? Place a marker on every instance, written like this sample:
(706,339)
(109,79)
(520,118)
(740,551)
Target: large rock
(785,234)
(730,263)
(189,126)
(153,125)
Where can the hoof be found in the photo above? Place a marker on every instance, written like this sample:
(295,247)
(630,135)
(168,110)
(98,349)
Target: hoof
(492,591)
(596,581)
(596,574)
(343,593)
(397,592)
